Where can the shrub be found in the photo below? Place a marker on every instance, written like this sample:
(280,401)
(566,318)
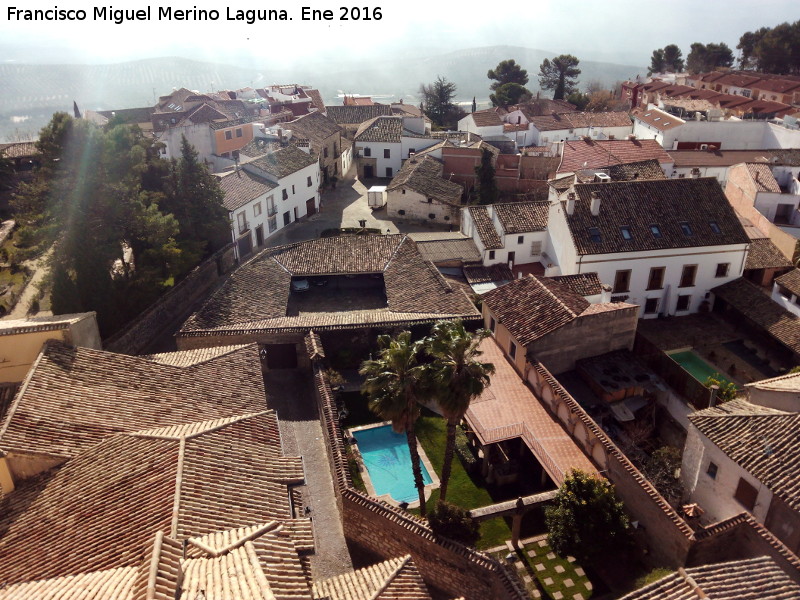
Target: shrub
(33,307)
(454,522)
(463,449)
(727,390)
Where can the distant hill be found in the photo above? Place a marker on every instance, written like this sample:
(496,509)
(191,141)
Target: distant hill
(37,90)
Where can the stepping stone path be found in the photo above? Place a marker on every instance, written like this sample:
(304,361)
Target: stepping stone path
(559,569)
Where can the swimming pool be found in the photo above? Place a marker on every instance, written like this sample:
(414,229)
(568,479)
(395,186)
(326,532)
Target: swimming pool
(697,367)
(388,462)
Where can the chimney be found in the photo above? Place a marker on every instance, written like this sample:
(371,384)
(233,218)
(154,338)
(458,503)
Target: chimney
(519,275)
(712,400)
(595,204)
(757,176)
(631,136)
(605,293)
(570,203)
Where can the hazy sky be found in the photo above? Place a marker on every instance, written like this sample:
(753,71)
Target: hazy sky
(624,31)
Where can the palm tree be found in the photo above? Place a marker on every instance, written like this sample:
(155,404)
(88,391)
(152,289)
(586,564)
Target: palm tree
(392,385)
(457,376)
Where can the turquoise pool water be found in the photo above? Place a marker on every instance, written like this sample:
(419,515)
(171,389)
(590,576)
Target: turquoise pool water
(388,462)
(693,363)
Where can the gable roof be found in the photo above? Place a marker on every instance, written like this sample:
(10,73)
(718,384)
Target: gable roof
(749,579)
(763,178)
(353,115)
(764,254)
(42,323)
(73,398)
(596,154)
(717,157)
(666,203)
(316,127)
(762,440)
(101,509)
(584,284)
(393,579)
(658,119)
(534,306)
(486,118)
(381,129)
(522,217)
(579,120)
(424,176)
(790,281)
(415,290)
(485,228)
(282,163)
(240,187)
(643,169)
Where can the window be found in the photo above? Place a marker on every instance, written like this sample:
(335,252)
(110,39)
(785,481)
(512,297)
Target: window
(520,239)
(272,223)
(401,212)
(367,151)
(412,151)
(683,303)
(594,235)
(746,494)
(686,228)
(626,232)
(512,350)
(536,248)
(285,194)
(430,200)
(651,306)
(714,227)
(257,209)
(656,279)
(228,135)
(622,281)
(712,469)
(325,153)
(492,324)
(688,275)
(287,218)
(272,210)
(431,215)
(388,171)
(387,153)
(722,269)
(239,132)
(403,191)
(491,254)
(308,181)
(242,220)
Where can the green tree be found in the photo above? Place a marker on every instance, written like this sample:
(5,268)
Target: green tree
(392,384)
(507,71)
(778,49)
(559,75)
(508,94)
(456,376)
(487,184)
(579,99)
(707,57)
(747,46)
(657,63)
(587,520)
(6,172)
(454,522)
(437,102)
(673,58)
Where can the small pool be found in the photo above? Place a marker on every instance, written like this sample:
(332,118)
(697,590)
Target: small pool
(388,462)
(698,367)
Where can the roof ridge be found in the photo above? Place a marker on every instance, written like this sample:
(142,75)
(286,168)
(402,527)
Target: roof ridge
(390,579)
(394,253)
(559,300)
(21,391)
(178,484)
(236,543)
(213,425)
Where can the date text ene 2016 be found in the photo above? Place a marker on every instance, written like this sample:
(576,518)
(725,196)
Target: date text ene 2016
(346,13)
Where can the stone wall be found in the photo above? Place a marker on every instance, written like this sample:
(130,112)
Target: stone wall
(388,531)
(667,536)
(172,308)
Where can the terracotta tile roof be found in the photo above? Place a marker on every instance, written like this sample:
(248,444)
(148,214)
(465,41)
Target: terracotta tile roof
(353,115)
(779,86)
(543,106)
(214,125)
(284,162)
(486,118)
(380,129)
(415,290)
(717,158)
(187,358)
(241,186)
(534,306)
(444,250)
(19,149)
(781,383)
(583,284)
(494,273)
(747,299)
(485,227)
(204,114)
(508,409)
(764,107)
(315,127)
(666,203)
(575,120)
(785,156)
(109,584)
(522,217)
(645,169)
(657,118)
(424,176)
(762,176)
(41,323)
(763,441)
(316,99)
(749,579)
(740,80)
(73,398)
(790,281)
(129,115)
(100,510)
(394,579)
(596,154)
(764,254)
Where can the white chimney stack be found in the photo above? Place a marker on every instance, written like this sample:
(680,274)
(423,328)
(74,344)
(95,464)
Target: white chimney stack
(570,203)
(595,204)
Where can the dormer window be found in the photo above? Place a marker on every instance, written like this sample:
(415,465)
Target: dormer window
(626,232)
(714,227)
(594,235)
(686,228)
(655,230)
